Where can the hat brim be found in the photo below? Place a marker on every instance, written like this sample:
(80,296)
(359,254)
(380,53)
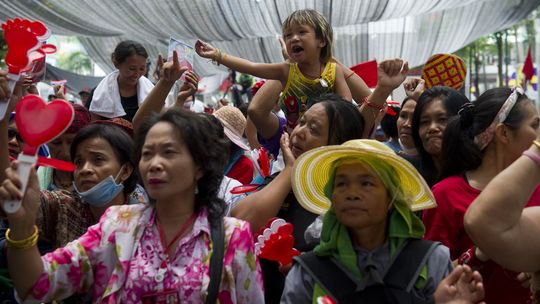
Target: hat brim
(236,139)
(312,171)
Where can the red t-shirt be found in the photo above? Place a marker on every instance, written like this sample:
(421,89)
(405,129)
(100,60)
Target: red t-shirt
(445,224)
(242,170)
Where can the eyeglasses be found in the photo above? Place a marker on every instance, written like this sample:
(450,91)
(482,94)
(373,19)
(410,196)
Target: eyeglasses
(14,133)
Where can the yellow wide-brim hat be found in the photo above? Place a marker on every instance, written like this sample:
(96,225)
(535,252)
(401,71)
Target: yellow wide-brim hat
(313,169)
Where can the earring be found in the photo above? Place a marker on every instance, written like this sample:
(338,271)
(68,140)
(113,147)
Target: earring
(196,189)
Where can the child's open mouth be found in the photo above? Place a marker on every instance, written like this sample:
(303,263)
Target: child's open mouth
(297,50)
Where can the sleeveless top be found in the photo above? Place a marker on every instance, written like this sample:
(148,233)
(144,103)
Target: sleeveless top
(300,91)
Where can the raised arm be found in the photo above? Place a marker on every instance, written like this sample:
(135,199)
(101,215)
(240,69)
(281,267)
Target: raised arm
(260,109)
(357,86)
(24,261)
(189,88)
(497,222)
(341,85)
(391,74)
(277,71)
(257,208)
(155,100)
(13,99)
(5,94)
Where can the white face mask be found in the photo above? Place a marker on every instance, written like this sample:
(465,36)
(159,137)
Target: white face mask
(102,193)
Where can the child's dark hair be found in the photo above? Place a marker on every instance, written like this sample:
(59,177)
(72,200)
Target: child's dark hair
(323,29)
(126,49)
(207,147)
(459,151)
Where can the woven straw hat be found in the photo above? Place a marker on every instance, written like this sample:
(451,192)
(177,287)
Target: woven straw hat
(312,171)
(234,124)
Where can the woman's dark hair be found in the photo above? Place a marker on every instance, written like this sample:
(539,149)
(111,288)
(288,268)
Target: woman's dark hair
(459,152)
(344,120)
(452,101)
(119,140)
(407,99)
(126,49)
(389,123)
(205,141)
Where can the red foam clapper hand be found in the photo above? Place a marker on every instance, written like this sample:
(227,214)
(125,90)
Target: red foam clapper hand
(276,242)
(22,38)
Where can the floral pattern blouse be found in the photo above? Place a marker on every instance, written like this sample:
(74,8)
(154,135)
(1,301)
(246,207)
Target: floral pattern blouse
(118,260)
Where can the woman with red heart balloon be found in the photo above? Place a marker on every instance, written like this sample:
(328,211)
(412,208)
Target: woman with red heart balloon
(174,249)
(104,166)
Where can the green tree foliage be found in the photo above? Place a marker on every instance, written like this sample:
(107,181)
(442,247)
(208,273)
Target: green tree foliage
(76,62)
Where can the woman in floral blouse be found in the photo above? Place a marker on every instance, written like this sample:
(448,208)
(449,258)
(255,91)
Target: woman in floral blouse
(145,253)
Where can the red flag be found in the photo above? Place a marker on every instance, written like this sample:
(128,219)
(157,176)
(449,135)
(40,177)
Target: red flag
(528,67)
(367,71)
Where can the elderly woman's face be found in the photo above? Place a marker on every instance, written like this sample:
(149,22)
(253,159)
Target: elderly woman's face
(359,198)
(311,131)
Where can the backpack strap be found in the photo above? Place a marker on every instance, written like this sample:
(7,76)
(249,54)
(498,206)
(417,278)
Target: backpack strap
(216,260)
(404,271)
(330,276)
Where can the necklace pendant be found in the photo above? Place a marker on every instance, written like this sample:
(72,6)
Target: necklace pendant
(160,275)
(323,83)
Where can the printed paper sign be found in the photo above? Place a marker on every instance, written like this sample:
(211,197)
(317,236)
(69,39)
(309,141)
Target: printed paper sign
(185,54)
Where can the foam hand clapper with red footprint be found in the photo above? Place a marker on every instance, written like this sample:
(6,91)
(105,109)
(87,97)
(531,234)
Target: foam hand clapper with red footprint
(24,39)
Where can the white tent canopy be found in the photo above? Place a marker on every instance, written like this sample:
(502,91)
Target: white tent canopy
(364,29)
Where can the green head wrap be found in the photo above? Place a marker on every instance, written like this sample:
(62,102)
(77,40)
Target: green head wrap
(402,222)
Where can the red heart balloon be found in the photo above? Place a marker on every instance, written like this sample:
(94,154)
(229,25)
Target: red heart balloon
(40,122)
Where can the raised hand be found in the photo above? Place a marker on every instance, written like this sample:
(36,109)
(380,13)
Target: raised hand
(172,70)
(188,88)
(284,49)
(288,156)
(5,92)
(205,50)
(392,72)
(59,92)
(414,87)
(10,189)
(158,67)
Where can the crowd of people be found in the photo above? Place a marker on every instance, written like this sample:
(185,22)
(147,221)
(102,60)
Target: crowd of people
(156,211)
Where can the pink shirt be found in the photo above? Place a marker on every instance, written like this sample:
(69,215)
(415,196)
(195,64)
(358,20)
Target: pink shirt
(117,261)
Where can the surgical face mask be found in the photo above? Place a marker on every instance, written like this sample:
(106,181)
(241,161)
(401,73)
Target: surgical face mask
(102,193)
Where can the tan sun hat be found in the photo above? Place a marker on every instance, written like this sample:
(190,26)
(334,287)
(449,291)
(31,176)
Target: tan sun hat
(313,169)
(234,124)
